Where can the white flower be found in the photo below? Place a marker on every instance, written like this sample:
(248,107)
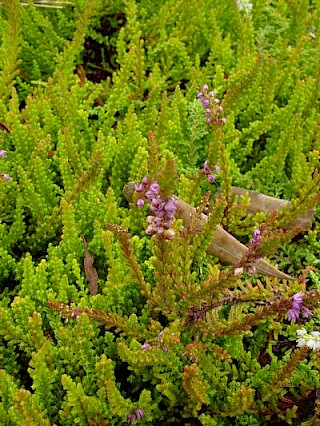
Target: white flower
(312,340)
(244,5)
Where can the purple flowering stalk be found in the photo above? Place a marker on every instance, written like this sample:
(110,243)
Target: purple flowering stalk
(298,308)
(211,105)
(248,261)
(208,171)
(164,210)
(255,241)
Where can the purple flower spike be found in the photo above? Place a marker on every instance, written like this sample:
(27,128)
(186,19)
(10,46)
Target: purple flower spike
(164,209)
(3,153)
(207,170)
(256,233)
(256,237)
(298,308)
(211,106)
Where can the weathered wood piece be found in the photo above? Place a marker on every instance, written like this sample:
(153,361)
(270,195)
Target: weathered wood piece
(264,203)
(52,4)
(224,246)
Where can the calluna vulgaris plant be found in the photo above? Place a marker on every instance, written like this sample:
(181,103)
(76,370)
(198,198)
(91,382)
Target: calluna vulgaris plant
(112,309)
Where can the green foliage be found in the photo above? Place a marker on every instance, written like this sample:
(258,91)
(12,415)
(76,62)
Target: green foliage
(100,93)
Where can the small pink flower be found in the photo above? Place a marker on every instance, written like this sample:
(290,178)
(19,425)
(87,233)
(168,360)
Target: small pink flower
(139,413)
(170,206)
(211,178)
(138,188)
(131,417)
(154,187)
(145,346)
(140,202)
(256,236)
(157,204)
(3,153)
(142,185)
(153,191)
(5,176)
(206,167)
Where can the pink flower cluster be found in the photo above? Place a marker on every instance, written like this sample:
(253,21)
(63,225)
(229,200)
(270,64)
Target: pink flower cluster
(298,308)
(164,209)
(137,415)
(211,106)
(256,239)
(3,154)
(208,171)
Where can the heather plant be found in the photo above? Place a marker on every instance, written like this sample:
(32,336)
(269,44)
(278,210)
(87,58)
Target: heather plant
(124,128)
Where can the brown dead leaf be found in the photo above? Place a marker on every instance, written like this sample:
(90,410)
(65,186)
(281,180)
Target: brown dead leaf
(89,270)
